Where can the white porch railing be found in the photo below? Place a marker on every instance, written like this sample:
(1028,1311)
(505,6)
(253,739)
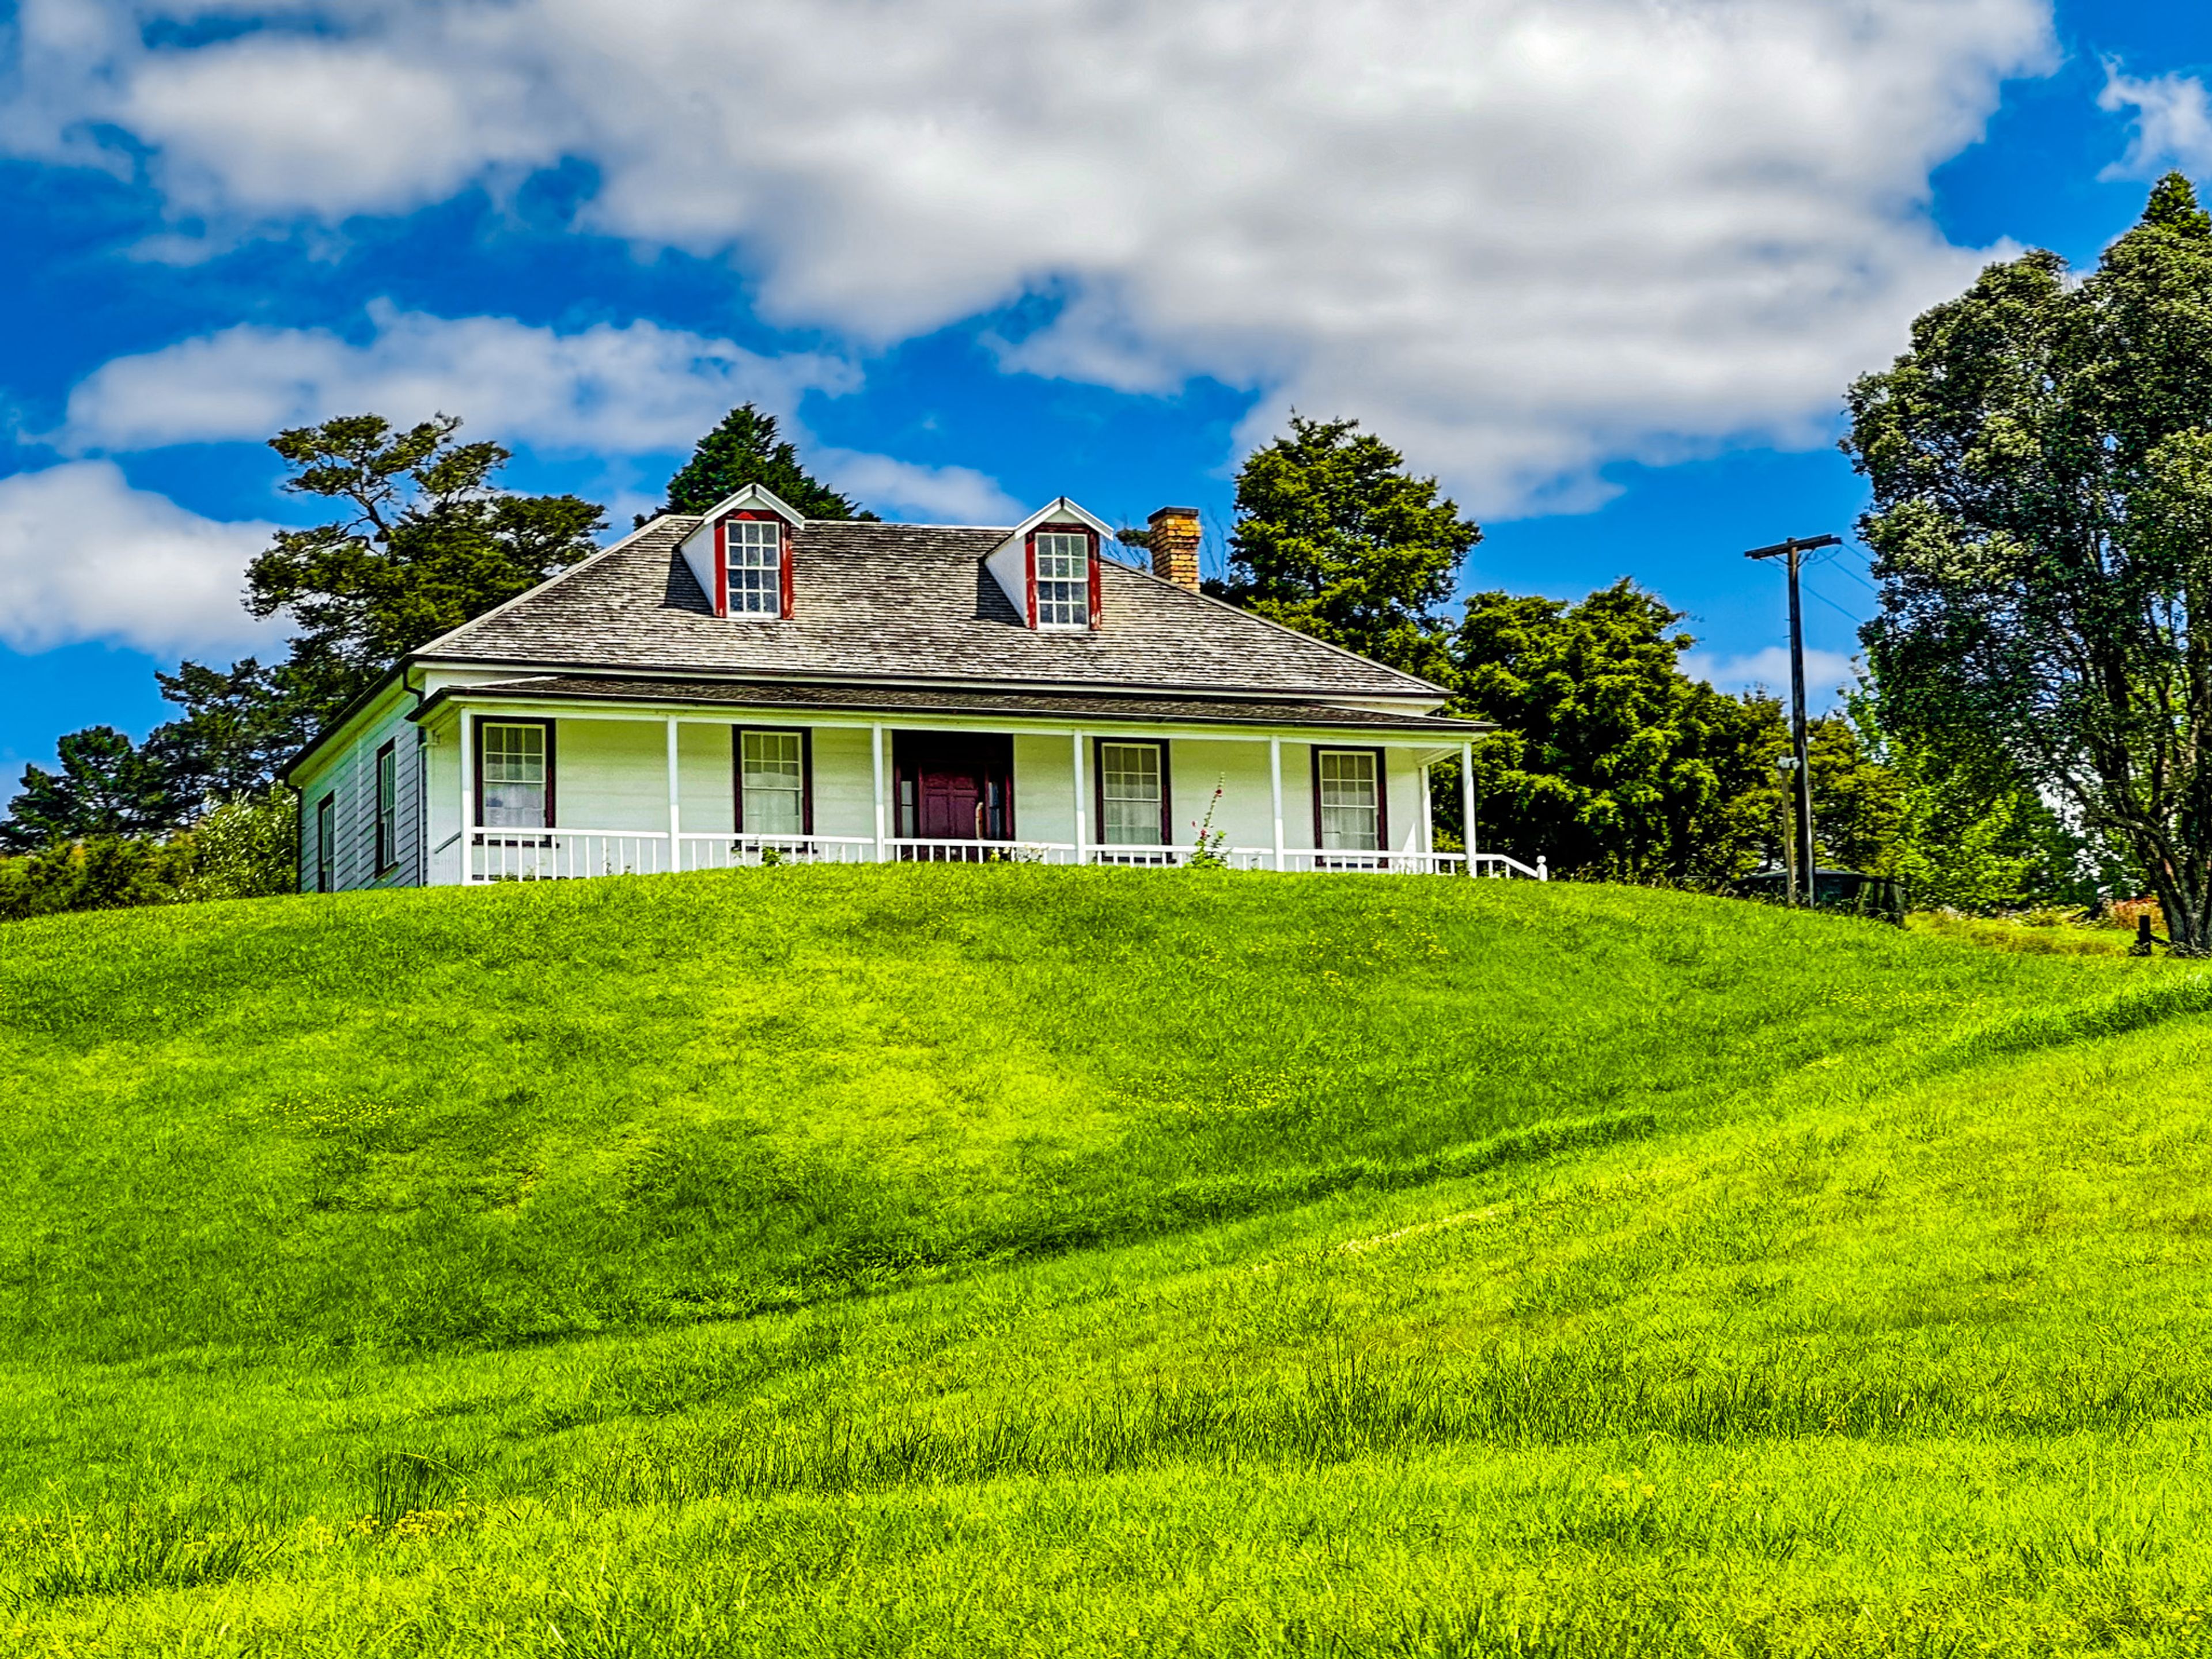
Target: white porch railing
(562,854)
(731,852)
(565,854)
(921,850)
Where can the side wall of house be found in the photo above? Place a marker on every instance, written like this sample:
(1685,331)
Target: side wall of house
(347,778)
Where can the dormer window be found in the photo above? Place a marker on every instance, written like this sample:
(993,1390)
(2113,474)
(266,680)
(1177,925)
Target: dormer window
(1063,577)
(741,555)
(1048,566)
(752,565)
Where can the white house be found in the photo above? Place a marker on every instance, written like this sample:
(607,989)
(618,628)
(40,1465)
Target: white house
(750,686)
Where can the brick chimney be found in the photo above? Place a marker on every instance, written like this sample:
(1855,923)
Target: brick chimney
(1174,546)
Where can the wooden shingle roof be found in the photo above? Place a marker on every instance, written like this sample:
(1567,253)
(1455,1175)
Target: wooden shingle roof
(906,603)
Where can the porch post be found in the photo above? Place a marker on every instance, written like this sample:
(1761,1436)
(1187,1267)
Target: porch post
(876,749)
(1082,817)
(1428,822)
(675,804)
(1275,787)
(468,840)
(1466,802)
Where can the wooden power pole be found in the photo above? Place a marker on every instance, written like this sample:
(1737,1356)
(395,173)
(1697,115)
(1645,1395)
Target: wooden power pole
(1794,551)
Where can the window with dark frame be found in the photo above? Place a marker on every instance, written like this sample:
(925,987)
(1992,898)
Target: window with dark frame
(1133,793)
(1348,800)
(515,763)
(387,808)
(326,844)
(774,786)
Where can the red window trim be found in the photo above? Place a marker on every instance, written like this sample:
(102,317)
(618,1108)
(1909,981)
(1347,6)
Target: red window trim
(1381,792)
(1098,785)
(476,760)
(1028,549)
(783,560)
(805,775)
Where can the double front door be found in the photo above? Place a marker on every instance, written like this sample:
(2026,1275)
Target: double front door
(954,785)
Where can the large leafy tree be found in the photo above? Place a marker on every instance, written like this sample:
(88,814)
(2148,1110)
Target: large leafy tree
(106,785)
(424,540)
(1335,536)
(743,450)
(1609,759)
(2041,463)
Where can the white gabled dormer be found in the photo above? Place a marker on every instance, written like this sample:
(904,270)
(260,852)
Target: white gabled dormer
(1048,567)
(741,554)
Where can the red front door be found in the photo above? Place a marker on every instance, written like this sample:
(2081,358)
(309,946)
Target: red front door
(952,803)
(954,785)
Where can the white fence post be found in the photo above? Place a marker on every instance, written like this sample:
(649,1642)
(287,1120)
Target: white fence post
(1466,803)
(675,803)
(1082,817)
(876,749)
(468,803)
(1275,790)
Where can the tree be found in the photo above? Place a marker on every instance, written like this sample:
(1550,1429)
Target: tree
(106,786)
(1335,537)
(425,542)
(2041,464)
(239,726)
(745,450)
(1610,760)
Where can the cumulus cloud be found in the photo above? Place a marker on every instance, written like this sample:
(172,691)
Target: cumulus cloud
(1825,672)
(947,495)
(607,390)
(1520,237)
(636,390)
(2173,122)
(85,556)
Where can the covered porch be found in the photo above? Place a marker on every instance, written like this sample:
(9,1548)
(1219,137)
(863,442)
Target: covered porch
(577,780)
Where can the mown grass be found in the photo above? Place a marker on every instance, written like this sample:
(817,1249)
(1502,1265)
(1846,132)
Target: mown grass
(1032,1261)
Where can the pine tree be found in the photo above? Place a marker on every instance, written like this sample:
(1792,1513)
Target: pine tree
(745,450)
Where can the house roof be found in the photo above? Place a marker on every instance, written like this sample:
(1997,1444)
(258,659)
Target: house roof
(902,602)
(846,698)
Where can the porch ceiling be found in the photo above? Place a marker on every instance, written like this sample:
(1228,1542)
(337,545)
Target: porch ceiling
(929,700)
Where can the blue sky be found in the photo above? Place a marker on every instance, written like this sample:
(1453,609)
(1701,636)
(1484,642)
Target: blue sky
(1604,266)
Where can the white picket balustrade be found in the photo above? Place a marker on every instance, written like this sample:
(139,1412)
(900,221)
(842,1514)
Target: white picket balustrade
(562,854)
(731,852)
(922,850)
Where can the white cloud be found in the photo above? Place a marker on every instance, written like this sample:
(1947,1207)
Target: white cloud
(1519,237)
(2173,122)
(85,556)
(945,494)
(606,390)
(636,390)
(1769,669)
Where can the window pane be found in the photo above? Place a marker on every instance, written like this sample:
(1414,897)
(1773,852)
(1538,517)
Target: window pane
(1129,779)
(387,809)
(754,559)
(1350,816)
(1063,580)
(774,783)
(514,777)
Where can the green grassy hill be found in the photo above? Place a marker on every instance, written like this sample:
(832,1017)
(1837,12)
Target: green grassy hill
(1009,1260)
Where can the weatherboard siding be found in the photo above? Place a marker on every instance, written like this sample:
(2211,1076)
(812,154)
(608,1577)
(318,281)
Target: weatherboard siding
(349,782)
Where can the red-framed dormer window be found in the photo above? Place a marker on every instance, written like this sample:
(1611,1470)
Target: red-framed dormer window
(752,566)
(1063,576)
